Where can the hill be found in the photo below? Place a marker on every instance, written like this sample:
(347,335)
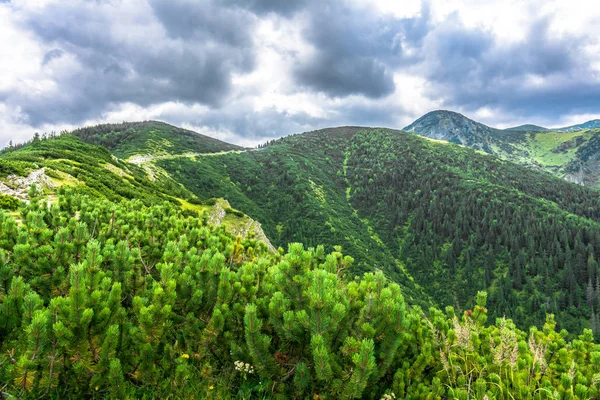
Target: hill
(66,162)
(150,138)
(568,153)
(528,128)
(476,222)
(593,124)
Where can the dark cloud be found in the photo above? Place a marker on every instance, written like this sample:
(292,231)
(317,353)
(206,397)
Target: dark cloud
(341,77)
(281,7)
(193,64)
(51,55)
(356,49)
(472,68)
(101,55)
(205,20)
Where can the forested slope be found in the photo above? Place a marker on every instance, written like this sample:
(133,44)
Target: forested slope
(446,219)
(114,285)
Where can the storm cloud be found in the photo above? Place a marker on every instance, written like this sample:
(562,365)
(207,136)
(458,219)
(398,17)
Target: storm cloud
(258,69)
(177,51)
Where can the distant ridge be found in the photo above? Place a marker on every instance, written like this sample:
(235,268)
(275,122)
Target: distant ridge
(569,152)
(150,137)
(593,124)
(528,128)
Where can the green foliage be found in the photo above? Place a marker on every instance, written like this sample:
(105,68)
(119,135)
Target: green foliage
(13,167)
(107,297)
(109,300)
(8,202)
(71,162)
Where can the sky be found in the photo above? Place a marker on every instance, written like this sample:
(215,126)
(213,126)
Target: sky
(247,71)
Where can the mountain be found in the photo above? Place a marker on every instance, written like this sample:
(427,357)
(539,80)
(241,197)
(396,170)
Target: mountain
(569,153)
(593,124)
(363,189)
(147,277)
(454,128)
(528,128)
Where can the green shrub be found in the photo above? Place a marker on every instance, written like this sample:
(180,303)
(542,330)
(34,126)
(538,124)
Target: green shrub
(8,202)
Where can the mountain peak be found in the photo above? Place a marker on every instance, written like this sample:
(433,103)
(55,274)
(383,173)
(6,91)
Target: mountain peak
(453,127)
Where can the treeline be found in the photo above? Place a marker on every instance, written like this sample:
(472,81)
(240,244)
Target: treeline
(109,300)
(36,138)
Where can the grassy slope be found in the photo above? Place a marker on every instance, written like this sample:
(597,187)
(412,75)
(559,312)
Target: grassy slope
(150,137)
(564,153)
(560,153)
(91,169)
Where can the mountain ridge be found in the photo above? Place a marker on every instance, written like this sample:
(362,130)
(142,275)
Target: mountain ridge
(528,128)
(569,153)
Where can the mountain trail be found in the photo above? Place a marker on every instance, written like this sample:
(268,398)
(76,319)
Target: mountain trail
(143,161)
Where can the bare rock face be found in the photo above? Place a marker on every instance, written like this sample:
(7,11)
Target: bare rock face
(242,226)
(217,213)
(18,186)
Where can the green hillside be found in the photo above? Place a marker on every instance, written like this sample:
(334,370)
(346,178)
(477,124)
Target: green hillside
(438,218)
(105,300)
(65,162)
(150,138)
(153,278)
(569,155)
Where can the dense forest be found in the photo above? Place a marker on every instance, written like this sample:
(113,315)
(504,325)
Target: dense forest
(107,300)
